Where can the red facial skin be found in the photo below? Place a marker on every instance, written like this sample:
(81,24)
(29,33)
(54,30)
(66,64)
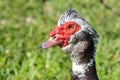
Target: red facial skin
(64,32)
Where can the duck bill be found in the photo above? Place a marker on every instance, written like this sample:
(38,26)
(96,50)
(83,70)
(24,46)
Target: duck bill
(49,43)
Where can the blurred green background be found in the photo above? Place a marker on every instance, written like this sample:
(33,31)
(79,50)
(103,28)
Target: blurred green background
(25,24)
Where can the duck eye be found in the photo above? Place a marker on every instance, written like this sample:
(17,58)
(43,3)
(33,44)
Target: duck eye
(70,26)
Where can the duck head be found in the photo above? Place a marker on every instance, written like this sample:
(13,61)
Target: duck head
(70,29)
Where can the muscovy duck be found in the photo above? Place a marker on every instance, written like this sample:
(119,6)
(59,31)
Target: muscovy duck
(77,37)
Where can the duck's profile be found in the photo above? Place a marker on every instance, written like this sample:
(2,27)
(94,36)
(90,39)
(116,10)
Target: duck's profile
(78,38)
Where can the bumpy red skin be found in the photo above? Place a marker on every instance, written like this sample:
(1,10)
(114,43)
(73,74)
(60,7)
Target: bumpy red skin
(64,32)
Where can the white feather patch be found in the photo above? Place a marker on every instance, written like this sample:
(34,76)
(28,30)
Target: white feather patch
(80,69)
(77,68)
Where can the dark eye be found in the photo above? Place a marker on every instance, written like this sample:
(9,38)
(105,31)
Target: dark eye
(71,26)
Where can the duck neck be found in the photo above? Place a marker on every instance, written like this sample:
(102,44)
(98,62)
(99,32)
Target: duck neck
(83,62)
(84,71)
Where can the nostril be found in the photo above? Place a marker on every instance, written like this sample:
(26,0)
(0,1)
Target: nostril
(54,36)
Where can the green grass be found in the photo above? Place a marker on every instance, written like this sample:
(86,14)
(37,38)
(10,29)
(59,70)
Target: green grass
(25,24)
